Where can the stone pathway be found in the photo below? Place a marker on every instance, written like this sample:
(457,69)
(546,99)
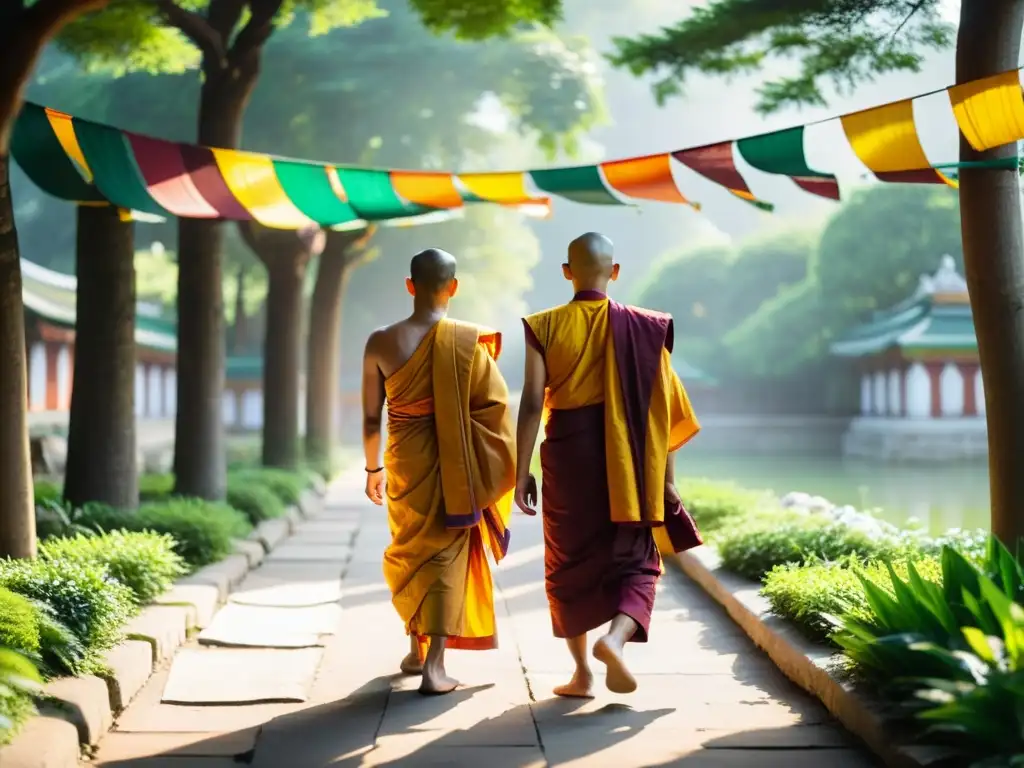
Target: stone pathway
(707,697)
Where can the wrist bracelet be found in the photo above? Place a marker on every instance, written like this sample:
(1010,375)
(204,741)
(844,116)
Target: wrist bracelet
(374,471)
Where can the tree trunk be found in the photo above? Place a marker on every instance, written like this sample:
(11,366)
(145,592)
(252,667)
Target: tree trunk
(988,43)
(282,350)
(102,450)
(323,365)
(200,460)
(240,341)
(17,502)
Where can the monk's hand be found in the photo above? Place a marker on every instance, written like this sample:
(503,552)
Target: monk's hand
(375,487)
(526,495)
(672,497)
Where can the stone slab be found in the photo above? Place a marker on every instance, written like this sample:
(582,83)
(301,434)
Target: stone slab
(117,747)
(130,665)
(311,503)
(253,550)
(267,627)
(175,762)
(294,517)
(46,741)
(271,533)
(338,536)
(86,704)
(225,575)
(328,526)
(415,750)
(164,627)
(241,676)
(258,589)
(203,599)
(335,553)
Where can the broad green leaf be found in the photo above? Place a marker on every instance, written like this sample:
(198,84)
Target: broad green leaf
(979,643)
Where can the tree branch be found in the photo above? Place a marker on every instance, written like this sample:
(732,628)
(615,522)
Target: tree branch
(197,29)
(913,10)
(258,30)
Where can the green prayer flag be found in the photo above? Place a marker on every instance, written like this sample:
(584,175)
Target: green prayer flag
(117,175)
(309,188)
(581,184)
(38,152)
(782,153)
(372,196)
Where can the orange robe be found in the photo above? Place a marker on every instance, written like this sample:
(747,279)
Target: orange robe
(616,409)
(450,463)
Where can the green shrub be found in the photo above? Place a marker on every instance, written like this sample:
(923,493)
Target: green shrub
(286,484)
(143,561)
(759,545)
(19,623)
(93,605)
(717,506)
(156,486)
(19,681)
(814,596)
(202,530)
(47,491)
(56,519)
(255,500)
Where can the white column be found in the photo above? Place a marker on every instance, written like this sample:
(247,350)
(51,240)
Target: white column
(979,392)
(63,377)
(140,390)
(919,392)
(154,383)
(170,392)
(37,377)
(879,399)
(229,408)
(252,409)
(865,394)
(951,385)
(895,396)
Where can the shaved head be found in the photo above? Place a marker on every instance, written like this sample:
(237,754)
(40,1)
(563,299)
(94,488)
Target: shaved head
(591,256)
(432,270)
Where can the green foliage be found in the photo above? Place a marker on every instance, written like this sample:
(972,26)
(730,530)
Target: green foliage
(256,501)
(285,484)
(19,626)
(55,519)
(19,681)
(837,42)
(717,507)
(47,491)
(202,530)
(86,599)
(156,486)
(145,562)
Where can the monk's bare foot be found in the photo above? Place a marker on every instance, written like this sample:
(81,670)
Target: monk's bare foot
(619,679)
(411,665)
(436,682)
(580,687)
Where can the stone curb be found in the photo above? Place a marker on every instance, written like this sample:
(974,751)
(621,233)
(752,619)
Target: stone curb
(801,660)
(84,707)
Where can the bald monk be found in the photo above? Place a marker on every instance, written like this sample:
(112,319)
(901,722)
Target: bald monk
(448,473)
(615,413)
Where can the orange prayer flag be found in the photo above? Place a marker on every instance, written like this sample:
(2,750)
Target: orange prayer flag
(432,190)
(990,111)
(649,178)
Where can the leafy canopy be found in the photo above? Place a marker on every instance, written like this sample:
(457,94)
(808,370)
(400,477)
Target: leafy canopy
(838,42)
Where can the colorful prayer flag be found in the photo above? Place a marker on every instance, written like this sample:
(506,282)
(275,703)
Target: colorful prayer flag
(582,184)
(990,112)
(649,178)
(42,157)
(253,181)
(116,174)
(429,189)
(316,191)
(885,139)
(715,162)
(782,153)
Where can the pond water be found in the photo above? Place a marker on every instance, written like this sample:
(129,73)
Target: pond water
(939,497)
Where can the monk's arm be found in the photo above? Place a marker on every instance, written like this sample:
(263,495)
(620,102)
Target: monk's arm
(373,402)
(531,408)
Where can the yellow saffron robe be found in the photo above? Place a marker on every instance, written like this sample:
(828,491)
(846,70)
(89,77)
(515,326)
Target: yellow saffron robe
(450,463)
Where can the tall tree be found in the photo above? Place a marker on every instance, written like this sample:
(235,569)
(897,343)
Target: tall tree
(844,42)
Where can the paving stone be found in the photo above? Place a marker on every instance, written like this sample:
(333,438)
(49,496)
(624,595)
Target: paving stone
(311,503)
(133,746)
(130,665)
(334,553)
(86,703)
(339,536)
(164,627)
(203,599)
(410,750)
(174,762)
(46,741)
(241,676)
(253,550)
(294,517)
(271,533)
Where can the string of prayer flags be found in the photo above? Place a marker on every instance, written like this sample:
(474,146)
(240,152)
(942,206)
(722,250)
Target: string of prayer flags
(885,139)
(715,162)
(648,178)
(782,153)
(582,184)
(989,112)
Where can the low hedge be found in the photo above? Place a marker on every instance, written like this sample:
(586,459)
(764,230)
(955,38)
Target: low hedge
(155,486)
(19,680)
(718,507)
(288,485)
(144,561)
(255,500)
(19,623)
(91,604)
(202,530)
(47,491)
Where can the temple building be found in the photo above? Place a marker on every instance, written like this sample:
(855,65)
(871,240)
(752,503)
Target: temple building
(921,393)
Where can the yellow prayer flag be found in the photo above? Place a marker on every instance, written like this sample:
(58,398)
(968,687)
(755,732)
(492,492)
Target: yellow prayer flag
(254,183)
(990,111)
(64,130)
(507,188)
(885,139)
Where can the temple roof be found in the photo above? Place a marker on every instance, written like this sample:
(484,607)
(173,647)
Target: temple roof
(936,317)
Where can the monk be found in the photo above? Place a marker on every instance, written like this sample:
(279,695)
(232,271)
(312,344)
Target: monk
(448,473)
(601,374)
